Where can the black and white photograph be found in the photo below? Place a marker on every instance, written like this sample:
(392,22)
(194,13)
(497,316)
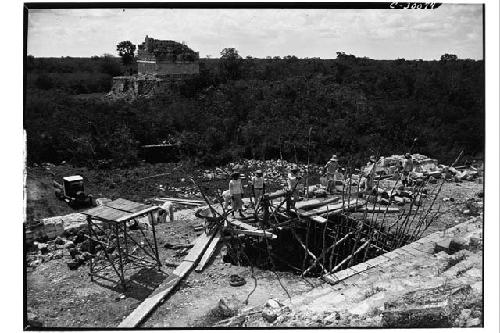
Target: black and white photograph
(258,165)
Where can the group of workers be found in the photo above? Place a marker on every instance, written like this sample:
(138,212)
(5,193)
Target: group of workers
(330,177)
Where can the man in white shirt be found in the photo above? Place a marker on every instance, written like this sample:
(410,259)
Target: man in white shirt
(236,192)
(258,186)
(293,180)
(166,209)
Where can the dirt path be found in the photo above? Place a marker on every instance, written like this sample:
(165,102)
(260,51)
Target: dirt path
(191,305)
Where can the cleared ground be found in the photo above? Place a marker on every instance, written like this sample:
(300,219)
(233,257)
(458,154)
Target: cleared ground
(58,297)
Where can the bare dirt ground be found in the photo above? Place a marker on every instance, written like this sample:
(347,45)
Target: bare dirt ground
(59,297)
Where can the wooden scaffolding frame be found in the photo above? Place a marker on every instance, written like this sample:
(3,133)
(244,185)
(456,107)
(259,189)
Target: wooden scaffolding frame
(109,226)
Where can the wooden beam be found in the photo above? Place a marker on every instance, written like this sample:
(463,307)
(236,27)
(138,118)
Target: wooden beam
(326,251)
(182,200)
(256,233)
(139,213)
(315,203)
(277,194)
(188,203)
(307,250)
(350,256)
(377,209)
(248,229)
(329,209)
(208,253)
(149,304)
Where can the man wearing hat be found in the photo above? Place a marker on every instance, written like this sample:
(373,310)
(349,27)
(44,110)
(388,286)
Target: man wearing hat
(236,192)
(331,171)
(258,186)
(293,181)
(407,168)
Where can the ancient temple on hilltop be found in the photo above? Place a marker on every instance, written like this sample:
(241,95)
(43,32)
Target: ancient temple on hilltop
(161,64)
(166,59)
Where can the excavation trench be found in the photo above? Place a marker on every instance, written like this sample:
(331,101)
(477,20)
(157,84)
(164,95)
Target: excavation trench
(313,249)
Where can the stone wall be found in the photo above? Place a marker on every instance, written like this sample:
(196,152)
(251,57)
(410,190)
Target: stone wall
(168,68)
(142,85)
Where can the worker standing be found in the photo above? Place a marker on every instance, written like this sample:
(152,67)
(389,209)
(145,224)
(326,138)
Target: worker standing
(370,173)
(407,169)
(331,173)
(258,186)
(293,183)
(236,192)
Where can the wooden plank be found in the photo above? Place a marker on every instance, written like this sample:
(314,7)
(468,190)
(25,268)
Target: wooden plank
(183,268)
(199,246)
(247,229)
(317,219)
(136,214)
(187,203)
(145,308)
(105,213)
(331,208)
(277,194)
(183,200)
(242,225)
(315,203)
(149,304)
(257,233)
(377,209)
(208,253)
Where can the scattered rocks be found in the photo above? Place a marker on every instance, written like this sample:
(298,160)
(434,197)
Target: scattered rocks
(441,246)
(422,308)
(273,304)
(59,241)
(33,321)
(228,306)
(43,248)
(473,322)
(69,245)
(270,315)
(457,244)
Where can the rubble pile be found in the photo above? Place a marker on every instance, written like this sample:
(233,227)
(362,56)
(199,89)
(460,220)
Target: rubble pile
(399,196)
(275,170)
(427,168)
(77,249)
(52,227)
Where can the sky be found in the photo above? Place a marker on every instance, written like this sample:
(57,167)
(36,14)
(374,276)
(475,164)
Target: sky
(377,34)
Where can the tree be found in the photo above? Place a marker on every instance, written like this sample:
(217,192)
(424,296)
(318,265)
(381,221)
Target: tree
(230,63)
(126,50)
(448,57)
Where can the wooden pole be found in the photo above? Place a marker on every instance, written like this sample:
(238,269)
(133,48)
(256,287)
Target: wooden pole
(350,256)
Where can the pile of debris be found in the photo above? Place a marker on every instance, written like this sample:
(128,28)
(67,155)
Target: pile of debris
(52,227)
(427,168)
(274,170)
(77,248)
(399,196)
